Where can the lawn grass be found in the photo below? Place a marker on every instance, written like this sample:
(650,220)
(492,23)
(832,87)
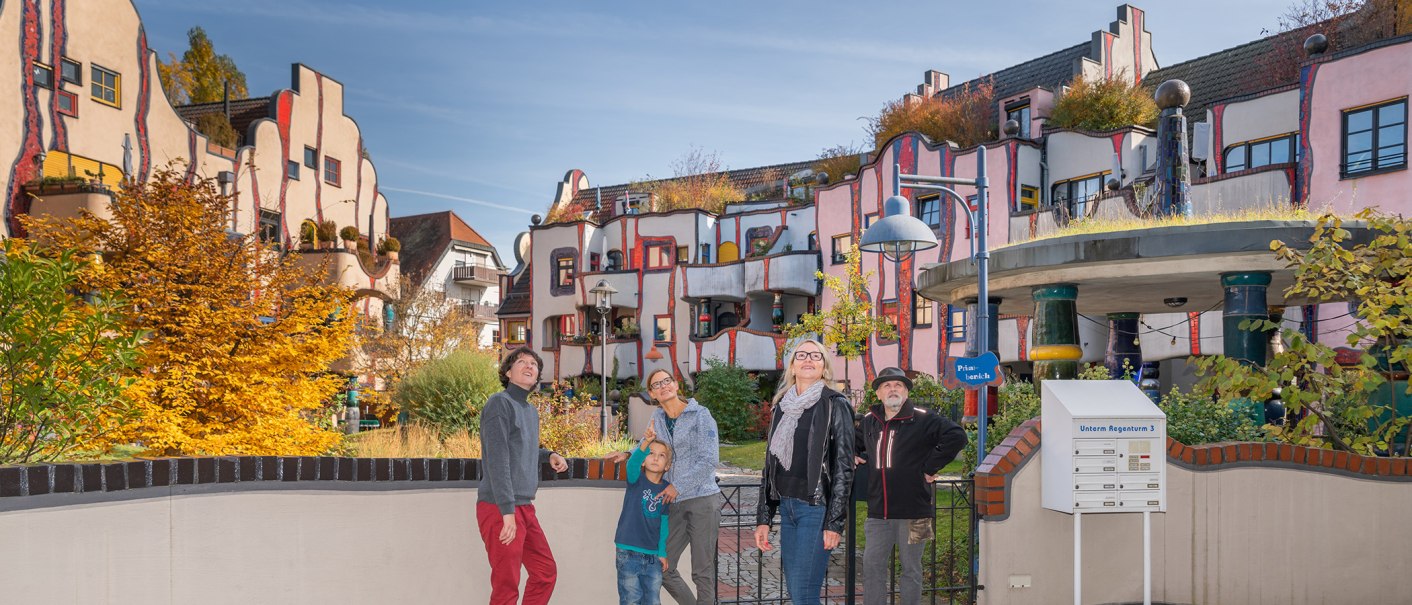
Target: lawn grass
(1086,226)
(750,454)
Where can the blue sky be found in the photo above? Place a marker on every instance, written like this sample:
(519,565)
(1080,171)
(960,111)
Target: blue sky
(481,107)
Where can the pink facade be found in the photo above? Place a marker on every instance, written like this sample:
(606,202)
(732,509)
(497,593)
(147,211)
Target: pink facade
(1334,86)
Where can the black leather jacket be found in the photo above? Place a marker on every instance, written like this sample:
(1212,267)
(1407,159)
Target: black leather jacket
(830,462)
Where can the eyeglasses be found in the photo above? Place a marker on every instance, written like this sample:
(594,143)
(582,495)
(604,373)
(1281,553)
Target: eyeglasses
(808,356)
(661,383)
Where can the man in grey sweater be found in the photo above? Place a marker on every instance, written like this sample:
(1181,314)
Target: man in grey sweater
(511,456)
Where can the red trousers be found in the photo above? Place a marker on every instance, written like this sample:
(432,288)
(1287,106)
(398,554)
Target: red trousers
(529,548)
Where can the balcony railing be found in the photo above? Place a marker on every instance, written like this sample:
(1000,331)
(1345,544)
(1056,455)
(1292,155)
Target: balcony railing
(476,274)
(481,311)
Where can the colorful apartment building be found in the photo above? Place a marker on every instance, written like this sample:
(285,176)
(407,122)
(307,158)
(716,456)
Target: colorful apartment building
(87,103)
(699,285)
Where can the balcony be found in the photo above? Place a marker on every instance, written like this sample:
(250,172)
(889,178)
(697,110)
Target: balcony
(724,281)
(480,311)
(625,282)
(1258,188)
(786,273)
(476,275)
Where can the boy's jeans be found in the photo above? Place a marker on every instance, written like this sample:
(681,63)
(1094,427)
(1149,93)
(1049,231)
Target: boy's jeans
(802,551)
(639,578)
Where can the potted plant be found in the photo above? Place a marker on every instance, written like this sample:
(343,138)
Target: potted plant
(628,329)
(350,238)
(328,232)
(308,235)
(390,246)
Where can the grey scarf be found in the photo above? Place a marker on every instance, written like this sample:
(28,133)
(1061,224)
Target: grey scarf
(791,406)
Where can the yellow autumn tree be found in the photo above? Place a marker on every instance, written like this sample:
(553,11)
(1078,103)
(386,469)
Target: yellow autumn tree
(237,339)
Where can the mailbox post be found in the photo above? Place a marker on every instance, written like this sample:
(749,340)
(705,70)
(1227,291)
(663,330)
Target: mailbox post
(1105,451)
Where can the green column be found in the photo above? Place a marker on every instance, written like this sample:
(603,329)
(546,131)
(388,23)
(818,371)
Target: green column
(1055,347)
(1244,300)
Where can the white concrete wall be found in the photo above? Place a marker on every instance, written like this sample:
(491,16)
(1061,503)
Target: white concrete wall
(315,546)
(1240,535)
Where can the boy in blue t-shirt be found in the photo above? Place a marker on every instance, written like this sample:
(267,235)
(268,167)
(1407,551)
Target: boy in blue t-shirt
(642,526)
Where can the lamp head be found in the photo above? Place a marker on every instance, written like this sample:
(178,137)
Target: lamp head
(898,234)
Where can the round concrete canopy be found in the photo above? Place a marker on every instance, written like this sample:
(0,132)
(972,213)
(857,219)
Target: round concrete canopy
(1135,270)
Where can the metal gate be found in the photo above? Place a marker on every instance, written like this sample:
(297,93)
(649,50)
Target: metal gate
(745,575)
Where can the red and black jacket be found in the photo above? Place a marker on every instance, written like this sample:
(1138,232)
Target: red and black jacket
(898,452)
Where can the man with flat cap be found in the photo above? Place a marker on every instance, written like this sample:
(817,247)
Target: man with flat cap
(904,447)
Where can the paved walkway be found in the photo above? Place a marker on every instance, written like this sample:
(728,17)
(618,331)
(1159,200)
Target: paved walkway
(744,571)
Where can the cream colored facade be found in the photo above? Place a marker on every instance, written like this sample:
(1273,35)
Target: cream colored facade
(70,128)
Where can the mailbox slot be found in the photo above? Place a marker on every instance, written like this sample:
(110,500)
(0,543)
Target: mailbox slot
(1132,481)
(1095,500)
(1140,500)
(1097,464)
(1095,447)
(1096,483)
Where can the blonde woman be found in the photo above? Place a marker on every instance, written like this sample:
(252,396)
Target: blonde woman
(808,471)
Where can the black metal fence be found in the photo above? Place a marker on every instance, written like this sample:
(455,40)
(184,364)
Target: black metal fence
(748,576)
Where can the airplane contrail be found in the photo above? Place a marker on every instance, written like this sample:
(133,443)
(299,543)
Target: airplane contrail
(459,199)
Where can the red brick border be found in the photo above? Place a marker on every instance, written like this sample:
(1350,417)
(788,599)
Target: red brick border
(994,473)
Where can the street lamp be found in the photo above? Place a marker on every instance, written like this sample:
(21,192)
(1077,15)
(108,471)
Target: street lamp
(898,235)
(603,297)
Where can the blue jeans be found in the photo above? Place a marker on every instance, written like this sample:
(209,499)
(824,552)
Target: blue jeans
(802,553)
(639,578)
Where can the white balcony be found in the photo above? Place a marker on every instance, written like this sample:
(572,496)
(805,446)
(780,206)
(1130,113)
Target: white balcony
(723,281)
(787,273)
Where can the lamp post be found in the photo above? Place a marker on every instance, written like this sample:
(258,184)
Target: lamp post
(898,235)
(603,301)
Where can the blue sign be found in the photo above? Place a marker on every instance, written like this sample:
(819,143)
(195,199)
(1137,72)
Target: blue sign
(974,372)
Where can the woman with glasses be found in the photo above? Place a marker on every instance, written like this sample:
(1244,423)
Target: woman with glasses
(808,471)
(690,430)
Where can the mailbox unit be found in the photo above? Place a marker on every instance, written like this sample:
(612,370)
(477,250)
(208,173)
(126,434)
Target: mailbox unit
(1104,448)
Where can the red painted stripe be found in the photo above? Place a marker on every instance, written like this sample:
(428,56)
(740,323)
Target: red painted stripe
(1194,319)
(25,165)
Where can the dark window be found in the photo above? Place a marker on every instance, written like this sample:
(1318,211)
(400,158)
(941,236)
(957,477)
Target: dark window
(1375,138)
(269,229)
(594,261)
(515,332)
(1020,114)
(564,272)
(1029,198)
(683,254)
(615,261)
(970,203)
(106,86)
(662,328)
(956,324)
(889,311)
(71,71)
(311,157)
(929,211)
(841,246)
(1254,154)
(43,75)
(1074,195)
(705,253)
(68,103)
(333,172)
(813,240)
(291,169)
(921,310)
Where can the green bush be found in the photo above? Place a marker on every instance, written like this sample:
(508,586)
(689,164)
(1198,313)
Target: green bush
(729,392)
(449,393)
(1196,419)
(1019,401)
